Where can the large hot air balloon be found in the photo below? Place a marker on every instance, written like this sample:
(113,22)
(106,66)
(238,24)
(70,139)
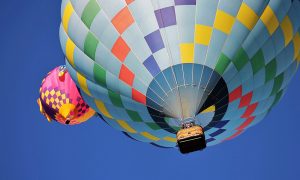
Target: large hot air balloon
(60,100)
(169,72)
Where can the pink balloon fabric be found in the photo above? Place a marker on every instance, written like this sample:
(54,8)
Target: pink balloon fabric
(60,99)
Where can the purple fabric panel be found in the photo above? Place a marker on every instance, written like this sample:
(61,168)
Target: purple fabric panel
(166,16)
(210,140)
(220,131)
(152,66)
(185,2)
(221,124)
(154,41)
(218,124)
(49,110)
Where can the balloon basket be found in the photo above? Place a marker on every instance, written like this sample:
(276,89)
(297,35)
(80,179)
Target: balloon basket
(191,138)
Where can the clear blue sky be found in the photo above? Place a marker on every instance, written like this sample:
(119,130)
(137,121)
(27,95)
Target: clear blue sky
(33,149)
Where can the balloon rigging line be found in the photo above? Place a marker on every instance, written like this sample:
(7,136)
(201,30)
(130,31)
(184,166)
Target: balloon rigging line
(170,55)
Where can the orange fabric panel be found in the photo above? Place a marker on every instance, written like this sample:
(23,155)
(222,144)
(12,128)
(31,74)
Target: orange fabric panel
(129,1)
(246,123)
(120,49)
(122,20)
(126,75)
(139,97)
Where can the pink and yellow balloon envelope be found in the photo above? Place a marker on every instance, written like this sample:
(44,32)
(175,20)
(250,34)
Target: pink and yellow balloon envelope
(60,99)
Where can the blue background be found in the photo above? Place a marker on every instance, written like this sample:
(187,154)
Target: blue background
(31,148)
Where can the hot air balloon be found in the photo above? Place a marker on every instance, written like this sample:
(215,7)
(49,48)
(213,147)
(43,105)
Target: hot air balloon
(181,73)
(60,100)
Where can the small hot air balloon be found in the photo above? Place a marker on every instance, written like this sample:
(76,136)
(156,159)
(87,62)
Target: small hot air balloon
(60,99)
(174,73)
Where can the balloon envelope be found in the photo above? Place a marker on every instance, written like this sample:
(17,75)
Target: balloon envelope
(60,100)
(147,66)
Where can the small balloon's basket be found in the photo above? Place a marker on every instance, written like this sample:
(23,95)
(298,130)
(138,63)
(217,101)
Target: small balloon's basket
(191,138)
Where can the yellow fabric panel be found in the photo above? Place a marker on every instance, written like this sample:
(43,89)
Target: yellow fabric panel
(47,93)
(298,60)
(296,41)
(150,136)
(66,109)
(101,106)
(247,16)
(86,116)
(209,109)
(52,92)
(56,100)
(287,28)
(223,21)
(70,47)
(58,93)
(82,84)
(52,100)
(126,126)
(170,139)
(40,106)
(187,53)
(67,15)
(203,34)
(270,20)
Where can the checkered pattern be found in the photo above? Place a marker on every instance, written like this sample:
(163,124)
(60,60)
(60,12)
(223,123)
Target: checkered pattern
(118,51)
(54,97)
(81,107)
(55,93)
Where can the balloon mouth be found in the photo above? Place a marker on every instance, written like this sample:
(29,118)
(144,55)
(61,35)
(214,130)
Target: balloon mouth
(181,90)
(184,102)
(62,72)
(179,94)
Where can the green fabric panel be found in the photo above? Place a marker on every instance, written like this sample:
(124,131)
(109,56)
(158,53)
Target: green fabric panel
(100,75)
(241,59)
(277,83)
(277,98)
(89,13)
(222,64)
(115,98)
(90,45)
(153,126)
(175,128)
(169,121)
(134,115)
(271,70)
(258,62)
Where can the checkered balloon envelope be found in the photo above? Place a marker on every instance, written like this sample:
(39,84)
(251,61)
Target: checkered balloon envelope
(148,66)
(60,99)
